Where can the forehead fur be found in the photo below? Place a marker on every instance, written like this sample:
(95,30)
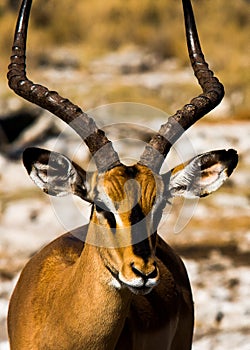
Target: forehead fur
(135,184)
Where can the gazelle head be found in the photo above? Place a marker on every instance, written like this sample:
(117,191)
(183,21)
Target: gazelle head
(127,204)
(127,201)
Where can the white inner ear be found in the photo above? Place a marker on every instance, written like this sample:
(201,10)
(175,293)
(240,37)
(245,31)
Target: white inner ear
(56,177)
(212,178)
(190,181)
(38,174)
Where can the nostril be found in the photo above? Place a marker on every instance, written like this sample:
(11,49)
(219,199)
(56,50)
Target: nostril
(136,271)
(144,275)
(153,274)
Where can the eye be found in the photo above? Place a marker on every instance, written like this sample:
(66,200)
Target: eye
(101,207)
(107,214)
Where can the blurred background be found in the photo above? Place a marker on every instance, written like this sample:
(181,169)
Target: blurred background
(127,62)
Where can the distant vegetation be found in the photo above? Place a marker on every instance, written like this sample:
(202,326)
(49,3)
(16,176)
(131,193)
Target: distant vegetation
(98,26)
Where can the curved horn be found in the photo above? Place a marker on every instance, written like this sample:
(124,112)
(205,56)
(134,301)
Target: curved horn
(100,147)
(213,92)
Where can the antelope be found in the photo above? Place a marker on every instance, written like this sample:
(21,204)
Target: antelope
(127,289)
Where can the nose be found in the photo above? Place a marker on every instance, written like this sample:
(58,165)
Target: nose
(146,274)
(140,276)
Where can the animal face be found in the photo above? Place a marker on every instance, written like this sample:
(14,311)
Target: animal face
(127,204)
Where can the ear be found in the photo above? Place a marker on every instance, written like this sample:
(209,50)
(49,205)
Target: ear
(203,174)
(54,173)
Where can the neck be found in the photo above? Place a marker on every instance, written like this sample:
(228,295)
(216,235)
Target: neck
(100,303)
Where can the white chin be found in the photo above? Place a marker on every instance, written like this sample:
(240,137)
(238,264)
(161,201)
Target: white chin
(141,291)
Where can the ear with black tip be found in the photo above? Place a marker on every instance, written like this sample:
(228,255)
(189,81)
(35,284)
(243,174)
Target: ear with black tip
(54,173)
(201,175)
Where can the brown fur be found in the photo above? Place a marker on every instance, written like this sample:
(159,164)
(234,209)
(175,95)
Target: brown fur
(103,318)
(76,295)
(127,289)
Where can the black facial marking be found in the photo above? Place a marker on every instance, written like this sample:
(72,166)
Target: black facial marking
(100,206)
(136,215)
(141,246)
(142,249)
(158,213)
(107,214)
(131,172)
(92,211)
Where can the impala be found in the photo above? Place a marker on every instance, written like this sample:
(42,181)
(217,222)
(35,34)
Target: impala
(127,289)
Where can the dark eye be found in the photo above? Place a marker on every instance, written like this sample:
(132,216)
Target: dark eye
(100,207)
(107,214)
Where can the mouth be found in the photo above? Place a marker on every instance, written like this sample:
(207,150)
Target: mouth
(143,290)
(141,286)
(144,287)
